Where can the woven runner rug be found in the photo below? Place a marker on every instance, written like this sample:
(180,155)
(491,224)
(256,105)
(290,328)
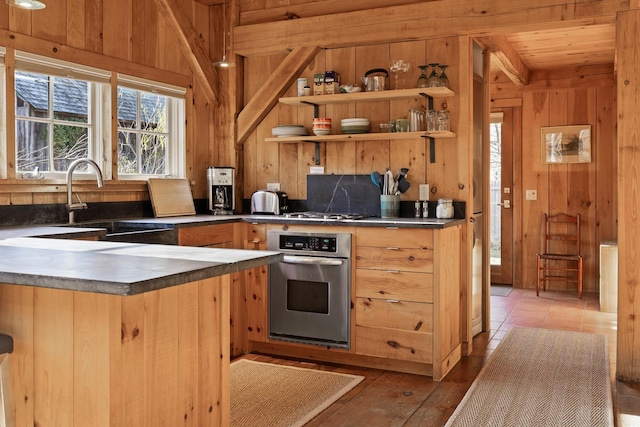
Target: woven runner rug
(540,377)
(265,394)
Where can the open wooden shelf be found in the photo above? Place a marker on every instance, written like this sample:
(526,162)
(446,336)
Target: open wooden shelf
(380,136)
(382,95)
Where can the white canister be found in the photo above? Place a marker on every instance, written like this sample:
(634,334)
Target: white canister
(302,82)
(444,209)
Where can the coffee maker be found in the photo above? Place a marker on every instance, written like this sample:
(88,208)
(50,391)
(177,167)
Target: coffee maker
(221,183)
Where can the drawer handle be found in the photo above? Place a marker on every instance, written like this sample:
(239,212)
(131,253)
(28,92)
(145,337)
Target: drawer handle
(393,271)
(393,301)
(392,248)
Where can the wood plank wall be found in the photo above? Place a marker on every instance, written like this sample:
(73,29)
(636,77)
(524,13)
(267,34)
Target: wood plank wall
(129,36)
(573,96)
(289,164)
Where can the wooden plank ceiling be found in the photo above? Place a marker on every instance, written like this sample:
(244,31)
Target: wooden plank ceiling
(518,53)
(521,40)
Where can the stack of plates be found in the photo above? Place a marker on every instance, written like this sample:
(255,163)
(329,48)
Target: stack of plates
(356,125)
(288,130)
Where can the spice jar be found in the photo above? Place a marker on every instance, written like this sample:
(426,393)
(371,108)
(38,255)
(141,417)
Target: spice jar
(444,208)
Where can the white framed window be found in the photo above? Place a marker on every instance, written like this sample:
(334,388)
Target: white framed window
(151,131)
(3,116)
(62,112)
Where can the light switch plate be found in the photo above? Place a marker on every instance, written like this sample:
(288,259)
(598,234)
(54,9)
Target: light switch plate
(273,186)
(316,170)
(531,195)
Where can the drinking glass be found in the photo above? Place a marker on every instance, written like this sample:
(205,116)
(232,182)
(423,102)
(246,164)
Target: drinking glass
(397,67)
(434,79)
(443,77)
(443,120)
(422,79)
(431,120)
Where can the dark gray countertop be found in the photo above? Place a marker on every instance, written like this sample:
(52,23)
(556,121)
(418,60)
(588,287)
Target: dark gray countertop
(199,220)
(117,268)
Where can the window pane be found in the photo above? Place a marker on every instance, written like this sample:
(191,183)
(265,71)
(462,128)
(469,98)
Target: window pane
(32,145)
(127,153)
(32,94)
(153,112)
(154,152)
(70,143)
(71,100)
(127,108)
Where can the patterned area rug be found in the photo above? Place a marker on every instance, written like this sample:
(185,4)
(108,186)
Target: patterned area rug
(265,394)
(501,290)
(540,377)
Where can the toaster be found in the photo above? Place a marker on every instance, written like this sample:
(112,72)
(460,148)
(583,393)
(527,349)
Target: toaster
(268,202)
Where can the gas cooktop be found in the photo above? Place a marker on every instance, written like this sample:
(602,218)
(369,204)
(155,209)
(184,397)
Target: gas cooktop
(324,215)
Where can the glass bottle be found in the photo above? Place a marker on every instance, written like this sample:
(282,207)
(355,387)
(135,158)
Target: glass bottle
(444,208)
(422,79)
(443,77)
(434,79)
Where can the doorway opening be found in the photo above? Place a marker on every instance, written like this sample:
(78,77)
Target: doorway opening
(501,196)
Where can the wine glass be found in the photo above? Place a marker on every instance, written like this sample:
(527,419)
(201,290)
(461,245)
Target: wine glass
(443,77)
(434,79)
(397,67)
(422,79)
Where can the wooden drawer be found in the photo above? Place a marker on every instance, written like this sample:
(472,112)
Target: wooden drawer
(394,237)
(206,235)
(409,316)
(395,344)
(395,258)
(390,284)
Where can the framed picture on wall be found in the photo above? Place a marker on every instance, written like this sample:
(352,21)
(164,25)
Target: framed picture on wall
(566,144)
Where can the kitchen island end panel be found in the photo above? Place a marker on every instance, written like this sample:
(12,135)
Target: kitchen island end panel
(90,359)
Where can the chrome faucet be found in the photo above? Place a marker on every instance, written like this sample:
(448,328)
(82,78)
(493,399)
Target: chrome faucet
(78,206)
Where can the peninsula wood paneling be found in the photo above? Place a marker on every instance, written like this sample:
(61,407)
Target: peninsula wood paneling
(588,189)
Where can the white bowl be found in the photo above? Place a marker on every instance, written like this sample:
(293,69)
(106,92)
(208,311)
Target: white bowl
(356,121)
(322,132)
(288,131)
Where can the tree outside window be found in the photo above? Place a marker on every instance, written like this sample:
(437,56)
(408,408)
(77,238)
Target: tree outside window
(53,121)
(143,133)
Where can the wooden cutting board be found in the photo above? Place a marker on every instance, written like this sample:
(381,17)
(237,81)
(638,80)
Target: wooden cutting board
(171,197)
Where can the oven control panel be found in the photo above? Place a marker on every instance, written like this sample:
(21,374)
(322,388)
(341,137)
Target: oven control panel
(313,243)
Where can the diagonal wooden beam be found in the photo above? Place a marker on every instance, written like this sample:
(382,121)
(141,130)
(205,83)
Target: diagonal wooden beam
(192,47)
(504,56)
(267,97)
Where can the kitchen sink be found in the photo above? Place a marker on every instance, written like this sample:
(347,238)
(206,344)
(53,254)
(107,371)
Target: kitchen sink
(133,232)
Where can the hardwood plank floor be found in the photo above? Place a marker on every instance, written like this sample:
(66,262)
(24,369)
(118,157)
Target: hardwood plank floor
(393,399)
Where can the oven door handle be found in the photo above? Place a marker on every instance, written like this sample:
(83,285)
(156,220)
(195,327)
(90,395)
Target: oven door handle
(311,260)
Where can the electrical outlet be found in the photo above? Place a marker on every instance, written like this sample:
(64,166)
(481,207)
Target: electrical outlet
(424,191)
(273,186)
(531,195)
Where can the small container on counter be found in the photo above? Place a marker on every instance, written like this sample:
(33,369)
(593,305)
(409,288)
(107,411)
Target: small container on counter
(302,82)
(417,209)
(425,209)
(444,210)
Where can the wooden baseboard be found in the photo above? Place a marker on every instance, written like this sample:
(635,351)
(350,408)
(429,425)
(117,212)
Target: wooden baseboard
(303,352)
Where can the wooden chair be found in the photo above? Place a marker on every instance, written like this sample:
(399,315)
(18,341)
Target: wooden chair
(6,403)
(561,252)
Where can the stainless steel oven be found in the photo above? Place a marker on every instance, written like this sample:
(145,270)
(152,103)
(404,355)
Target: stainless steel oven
(310,289)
